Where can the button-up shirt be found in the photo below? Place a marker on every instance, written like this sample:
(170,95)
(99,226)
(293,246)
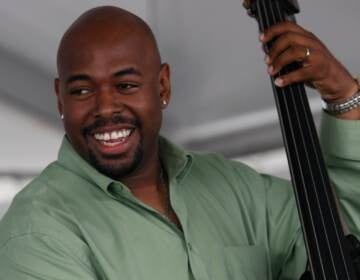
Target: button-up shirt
(72,222)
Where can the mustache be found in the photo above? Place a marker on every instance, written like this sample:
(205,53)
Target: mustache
(115,119)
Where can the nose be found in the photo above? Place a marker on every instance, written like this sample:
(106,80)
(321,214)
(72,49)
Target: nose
(106,105)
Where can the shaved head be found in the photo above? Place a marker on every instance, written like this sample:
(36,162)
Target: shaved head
(104,24)
(111,90)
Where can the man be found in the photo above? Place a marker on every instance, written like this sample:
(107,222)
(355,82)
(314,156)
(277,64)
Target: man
(123,203)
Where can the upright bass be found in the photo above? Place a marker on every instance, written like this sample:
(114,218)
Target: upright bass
(331,254)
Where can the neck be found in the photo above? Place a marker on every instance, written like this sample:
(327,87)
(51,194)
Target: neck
(151,188)
(144,181)
(144,178)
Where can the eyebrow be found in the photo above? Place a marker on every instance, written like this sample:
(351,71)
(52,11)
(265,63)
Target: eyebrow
(80,77)
(120,73)
(127,71)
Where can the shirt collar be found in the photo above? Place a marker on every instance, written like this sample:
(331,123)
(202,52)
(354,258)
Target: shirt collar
(71,160)
(175,160)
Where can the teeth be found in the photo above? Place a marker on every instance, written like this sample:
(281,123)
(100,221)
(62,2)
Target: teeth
(99,136)
(123,133)
(113,135)
(110,144)
(106,136)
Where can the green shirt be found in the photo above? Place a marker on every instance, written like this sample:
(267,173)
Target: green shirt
(71,222)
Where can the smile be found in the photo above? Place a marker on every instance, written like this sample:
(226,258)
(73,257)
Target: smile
(113,138)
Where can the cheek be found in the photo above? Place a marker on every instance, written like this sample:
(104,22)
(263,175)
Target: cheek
(74,120)
(75,116)
(151,115)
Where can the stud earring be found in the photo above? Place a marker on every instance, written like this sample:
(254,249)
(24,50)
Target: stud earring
(164,102)
(62,116)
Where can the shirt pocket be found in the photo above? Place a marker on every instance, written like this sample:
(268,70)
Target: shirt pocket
(237,263)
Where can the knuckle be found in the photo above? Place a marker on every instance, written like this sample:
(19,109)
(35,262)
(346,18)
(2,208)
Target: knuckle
(312,35)
(323,71)
(276,65)
(287,36)
(288,23)
(321,60)
(285,59)
(286,80)
(271,54)
(268,33)
(293,77)
(291,54)
(294,51)
(274,50)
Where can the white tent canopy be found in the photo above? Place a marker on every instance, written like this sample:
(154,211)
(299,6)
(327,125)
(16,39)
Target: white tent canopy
(28,143)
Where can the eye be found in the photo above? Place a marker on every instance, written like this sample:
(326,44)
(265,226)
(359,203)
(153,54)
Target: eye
(127,87)
(80,91)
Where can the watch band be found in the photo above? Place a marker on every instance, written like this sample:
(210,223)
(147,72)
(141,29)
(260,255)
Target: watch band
(345,106)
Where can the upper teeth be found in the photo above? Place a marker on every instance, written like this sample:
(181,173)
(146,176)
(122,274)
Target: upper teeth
(113,135)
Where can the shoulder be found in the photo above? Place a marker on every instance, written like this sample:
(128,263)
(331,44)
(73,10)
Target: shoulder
(227,177)
(40,209)
(240,179)
(220,167)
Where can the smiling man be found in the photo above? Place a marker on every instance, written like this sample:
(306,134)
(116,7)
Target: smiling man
(121,202)
(110,92)
(110,96)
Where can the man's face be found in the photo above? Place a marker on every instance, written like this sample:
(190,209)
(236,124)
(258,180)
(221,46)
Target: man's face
(111,94)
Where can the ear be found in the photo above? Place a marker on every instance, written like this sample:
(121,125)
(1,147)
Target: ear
(165,85)
(58,96)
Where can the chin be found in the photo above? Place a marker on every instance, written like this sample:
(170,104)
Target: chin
(119,166)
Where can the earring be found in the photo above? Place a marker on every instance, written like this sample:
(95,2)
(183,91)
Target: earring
(164,102)
(62,116)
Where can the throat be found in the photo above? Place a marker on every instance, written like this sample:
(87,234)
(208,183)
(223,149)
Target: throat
(157,196)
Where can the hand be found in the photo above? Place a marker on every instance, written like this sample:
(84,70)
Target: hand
(320,69)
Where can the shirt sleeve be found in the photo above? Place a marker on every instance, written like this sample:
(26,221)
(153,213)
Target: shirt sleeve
(285,240)
(41,257)
(340,146)
(340,141)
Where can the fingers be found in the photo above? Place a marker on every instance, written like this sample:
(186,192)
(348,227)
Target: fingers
(294,41)
(313,68)
(297,76)
(281,28)
(292,54)
(290,43)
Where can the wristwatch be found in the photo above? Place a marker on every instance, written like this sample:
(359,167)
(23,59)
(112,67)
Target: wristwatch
(345,106)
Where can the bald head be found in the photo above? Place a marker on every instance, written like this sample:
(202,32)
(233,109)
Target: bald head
(111,80)
(107,24)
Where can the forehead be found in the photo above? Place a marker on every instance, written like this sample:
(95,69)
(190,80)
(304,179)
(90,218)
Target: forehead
(102,55)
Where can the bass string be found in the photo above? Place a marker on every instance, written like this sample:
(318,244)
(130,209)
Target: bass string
(295,93)
(323,189)
(287,111)
(300,94)
(272,20)
(324,177)
(302,97)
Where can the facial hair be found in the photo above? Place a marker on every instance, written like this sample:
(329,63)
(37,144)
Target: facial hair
(115,171)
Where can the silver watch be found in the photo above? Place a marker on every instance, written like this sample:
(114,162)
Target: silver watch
(343,107)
